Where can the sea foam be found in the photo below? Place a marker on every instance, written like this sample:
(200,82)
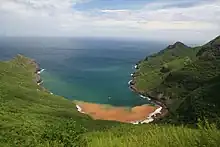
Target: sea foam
(79,109)
(39,72)
(145,97)
(150,117)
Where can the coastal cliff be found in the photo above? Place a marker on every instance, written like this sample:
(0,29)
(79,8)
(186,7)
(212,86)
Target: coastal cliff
(178,77)
(33,67)
(163,110)
(29,64)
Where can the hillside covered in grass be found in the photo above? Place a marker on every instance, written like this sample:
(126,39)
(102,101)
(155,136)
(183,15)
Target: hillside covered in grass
(31,117)
(185,79)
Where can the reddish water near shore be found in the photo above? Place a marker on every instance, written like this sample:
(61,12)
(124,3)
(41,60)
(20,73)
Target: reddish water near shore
(121,114)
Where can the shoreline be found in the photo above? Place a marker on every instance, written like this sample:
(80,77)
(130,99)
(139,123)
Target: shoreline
(39,80)
(134,115)
(37,73)
(162,111)
(149,117)
(79,109)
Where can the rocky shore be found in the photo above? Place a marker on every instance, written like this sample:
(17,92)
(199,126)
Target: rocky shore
(37,70)
(37,73)
(162,111)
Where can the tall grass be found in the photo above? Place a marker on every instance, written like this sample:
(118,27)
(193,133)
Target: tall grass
(154,136)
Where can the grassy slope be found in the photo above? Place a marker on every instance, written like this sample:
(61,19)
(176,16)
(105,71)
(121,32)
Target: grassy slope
(188,89)
(154,136)
(198,85)
(174,57)
(29,117)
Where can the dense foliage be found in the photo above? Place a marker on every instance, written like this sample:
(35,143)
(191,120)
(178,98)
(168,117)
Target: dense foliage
(155,68)
(190,88)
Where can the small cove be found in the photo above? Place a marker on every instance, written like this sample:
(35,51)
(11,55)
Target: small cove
(90,70)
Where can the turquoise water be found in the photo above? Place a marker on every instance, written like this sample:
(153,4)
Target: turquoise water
(90,70)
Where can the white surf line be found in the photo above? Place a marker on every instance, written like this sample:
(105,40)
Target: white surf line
(132,75)
(39,72)
(145,97)
(147,121)
(149,118)
(157,111)
(40,83)
(129,82)
(79,109)
(135,66)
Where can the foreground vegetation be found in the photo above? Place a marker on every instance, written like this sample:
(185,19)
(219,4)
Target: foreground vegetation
(31,116)
(154,136)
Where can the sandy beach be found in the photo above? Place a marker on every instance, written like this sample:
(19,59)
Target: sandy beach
(121,114)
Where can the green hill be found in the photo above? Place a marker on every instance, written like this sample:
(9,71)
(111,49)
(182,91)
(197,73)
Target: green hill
(198,85)
(189,84)
(156,67)
(30,116)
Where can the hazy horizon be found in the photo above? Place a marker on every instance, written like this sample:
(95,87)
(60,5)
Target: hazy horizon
(194,21)
(141,40)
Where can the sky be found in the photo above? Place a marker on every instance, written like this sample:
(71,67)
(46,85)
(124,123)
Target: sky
(171,20)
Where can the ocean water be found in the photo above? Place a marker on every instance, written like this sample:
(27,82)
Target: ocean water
(85,69)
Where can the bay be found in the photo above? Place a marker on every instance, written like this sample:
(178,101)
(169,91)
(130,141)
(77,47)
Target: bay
(93,70)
